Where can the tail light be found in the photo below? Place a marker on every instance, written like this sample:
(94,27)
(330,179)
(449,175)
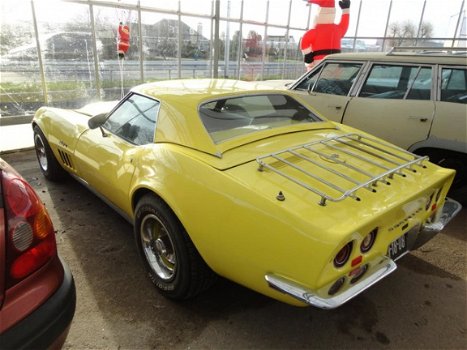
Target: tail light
(343,255)
(30,234)
(368,241)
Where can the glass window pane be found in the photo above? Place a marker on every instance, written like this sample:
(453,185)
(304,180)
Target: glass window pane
(21,86)
(230,12)
(232,117)
(196,7)
(251,67)
(117,75)
(337,78)
(163,5)
(134,120)
(67,53)
(422,86)
(299,15)
(370,24)
(279,12)
(390,82)
(160,42)
(196,34)
(454,85)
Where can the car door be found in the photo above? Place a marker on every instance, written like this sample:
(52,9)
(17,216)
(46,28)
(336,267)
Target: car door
(327,88)
(450,124)
(106,157)
(394,102)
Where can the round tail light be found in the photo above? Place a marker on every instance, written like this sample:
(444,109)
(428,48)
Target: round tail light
(343,255)
(368,241)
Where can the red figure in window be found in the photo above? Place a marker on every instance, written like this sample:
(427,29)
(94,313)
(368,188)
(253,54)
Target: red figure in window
(123,40)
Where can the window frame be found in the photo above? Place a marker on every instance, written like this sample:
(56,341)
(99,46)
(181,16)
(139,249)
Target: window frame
(419,66)
(319,70)
(440,79)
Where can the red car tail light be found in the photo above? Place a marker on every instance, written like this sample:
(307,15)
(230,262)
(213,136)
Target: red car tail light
(30,233)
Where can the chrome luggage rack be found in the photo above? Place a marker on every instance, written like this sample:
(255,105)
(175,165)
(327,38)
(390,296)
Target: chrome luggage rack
(360,150)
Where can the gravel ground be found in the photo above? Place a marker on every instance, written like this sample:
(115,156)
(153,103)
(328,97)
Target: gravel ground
(421,305)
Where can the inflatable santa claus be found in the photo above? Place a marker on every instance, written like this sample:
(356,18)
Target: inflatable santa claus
(325,36)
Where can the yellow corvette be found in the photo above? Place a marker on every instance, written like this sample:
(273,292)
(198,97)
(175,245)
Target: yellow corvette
(223,177)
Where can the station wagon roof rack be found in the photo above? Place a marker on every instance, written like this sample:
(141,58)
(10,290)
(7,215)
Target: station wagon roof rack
(336,167)
(427,50)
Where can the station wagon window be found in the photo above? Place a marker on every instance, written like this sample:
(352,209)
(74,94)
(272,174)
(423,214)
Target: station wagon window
(398,82)
(333,78)
(134,120)
(454,85)
(231,117)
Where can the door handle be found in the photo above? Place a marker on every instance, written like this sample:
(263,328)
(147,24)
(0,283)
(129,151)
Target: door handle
(336,107)
(421,119)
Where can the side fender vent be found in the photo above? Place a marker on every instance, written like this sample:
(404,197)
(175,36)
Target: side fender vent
(66,159)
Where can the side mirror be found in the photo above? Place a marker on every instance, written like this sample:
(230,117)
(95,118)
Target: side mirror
(97,121)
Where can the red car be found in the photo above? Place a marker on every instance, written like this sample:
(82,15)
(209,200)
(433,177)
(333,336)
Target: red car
(37,290)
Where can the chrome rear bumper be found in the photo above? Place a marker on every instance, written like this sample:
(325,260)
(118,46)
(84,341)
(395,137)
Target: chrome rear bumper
(376,272)
(450,209)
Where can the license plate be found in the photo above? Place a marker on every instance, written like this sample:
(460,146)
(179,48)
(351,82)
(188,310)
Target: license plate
(398,247)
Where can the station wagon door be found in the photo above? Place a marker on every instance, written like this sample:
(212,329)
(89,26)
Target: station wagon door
(328,87)
(395,103)
(450,124)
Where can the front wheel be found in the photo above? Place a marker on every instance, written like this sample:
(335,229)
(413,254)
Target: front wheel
(48,164)
(171,260)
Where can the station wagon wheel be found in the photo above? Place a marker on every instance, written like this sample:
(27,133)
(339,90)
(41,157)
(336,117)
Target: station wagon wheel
(48,164)
(171,260)
(452,160)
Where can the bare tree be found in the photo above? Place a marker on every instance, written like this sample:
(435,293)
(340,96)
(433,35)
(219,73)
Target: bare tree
(405,33)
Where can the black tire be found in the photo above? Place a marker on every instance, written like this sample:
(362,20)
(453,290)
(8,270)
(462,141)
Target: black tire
(50,167)
(171,260)
(452,160)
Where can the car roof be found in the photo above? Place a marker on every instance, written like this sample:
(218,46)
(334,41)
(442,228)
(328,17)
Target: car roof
(193,92)
(178,119)
(425,57)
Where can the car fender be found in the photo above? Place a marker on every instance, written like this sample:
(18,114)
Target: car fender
(61,127)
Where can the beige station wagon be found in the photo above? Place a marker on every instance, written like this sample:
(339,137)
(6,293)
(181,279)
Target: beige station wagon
(416,100)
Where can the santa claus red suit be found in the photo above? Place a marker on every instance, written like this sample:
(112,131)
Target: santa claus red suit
(123,40)
(325,36)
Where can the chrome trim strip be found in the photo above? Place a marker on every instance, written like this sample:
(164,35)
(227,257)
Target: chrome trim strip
(308,296)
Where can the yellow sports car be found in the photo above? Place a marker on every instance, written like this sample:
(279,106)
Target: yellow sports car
(224,177)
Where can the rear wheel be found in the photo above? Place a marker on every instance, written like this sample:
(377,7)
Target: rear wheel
(48,164)
(452,160)
(171,260)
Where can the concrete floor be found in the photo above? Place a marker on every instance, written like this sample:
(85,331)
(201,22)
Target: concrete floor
(421,305)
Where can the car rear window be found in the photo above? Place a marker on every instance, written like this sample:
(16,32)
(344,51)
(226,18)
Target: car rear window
(231,117)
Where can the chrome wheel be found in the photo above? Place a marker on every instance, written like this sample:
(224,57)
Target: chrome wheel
(158,247)
(41,152)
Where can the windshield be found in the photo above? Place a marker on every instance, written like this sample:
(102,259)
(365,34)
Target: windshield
(231,117)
